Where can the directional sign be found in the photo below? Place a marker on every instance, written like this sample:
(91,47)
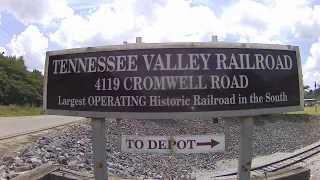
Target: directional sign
(173,144)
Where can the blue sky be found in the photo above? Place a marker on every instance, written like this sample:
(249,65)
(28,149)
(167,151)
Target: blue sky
(30,28)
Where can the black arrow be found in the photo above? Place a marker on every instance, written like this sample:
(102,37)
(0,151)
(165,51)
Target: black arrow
(212,143)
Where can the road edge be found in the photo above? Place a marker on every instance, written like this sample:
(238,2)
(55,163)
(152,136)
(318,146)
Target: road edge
(41,129)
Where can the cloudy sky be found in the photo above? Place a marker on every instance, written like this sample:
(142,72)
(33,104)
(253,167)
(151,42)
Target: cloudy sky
(31,27)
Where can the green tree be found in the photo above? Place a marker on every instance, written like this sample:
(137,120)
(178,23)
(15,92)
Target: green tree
(306,87)
(18,85)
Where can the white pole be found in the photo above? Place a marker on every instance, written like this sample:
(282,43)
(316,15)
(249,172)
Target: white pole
(138,40)
(214,38)
(99,149)
(246,142)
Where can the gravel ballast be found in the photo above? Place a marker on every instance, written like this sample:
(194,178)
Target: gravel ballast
(72,147)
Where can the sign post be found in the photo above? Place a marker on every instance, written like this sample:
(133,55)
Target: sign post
(99,149)
(175,80)
(245,152)
(119,133)
(315,96)
(226,131)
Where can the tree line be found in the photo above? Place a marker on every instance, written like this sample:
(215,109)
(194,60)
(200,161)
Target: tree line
(19,86)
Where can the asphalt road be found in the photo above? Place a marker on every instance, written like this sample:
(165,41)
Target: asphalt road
(16,125)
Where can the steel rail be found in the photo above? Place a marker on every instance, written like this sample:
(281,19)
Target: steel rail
(273,166)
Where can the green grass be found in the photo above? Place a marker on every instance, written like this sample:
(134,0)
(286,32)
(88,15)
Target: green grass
(307,110)
(13,110)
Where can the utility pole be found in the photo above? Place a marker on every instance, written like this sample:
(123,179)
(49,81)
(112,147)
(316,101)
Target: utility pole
(315,96)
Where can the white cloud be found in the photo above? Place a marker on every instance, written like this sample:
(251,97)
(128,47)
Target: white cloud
(85,4)
(159,21)
(307,26)
(312,65)
(37,11)
(32,45)
(266,21)
(298,15)
(3,50)
(121,21)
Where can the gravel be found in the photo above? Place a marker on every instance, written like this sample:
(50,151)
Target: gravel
(72,147)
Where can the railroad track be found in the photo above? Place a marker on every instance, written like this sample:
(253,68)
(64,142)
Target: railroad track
(13,143)
(261,171)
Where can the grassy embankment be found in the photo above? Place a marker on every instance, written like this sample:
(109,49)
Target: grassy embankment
(13,110)
(307,110)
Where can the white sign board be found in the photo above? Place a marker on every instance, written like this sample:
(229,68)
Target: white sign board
(173,144)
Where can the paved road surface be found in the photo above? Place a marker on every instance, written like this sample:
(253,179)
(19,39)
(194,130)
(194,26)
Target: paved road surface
(15,125)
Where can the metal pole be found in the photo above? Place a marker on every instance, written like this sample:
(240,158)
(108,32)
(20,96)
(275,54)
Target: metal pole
(315,96)
(119,133)
(99,149)
(215,120)
(246,142)
(214,39)
(226,132)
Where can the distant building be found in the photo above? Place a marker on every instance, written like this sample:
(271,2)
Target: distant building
(309,102)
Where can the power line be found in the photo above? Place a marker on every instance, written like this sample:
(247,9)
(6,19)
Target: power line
(3,40)
(17,44)
(21,49)
(28,51)
(4,44)
(20,42)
